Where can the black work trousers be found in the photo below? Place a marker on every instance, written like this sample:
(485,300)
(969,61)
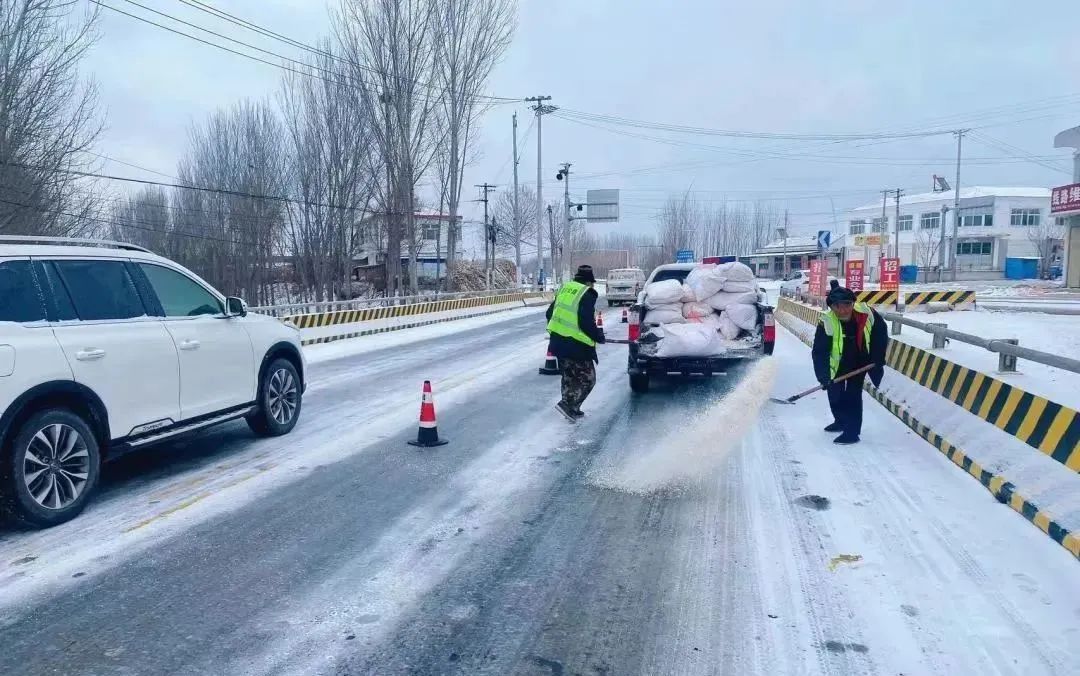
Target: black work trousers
(845,401)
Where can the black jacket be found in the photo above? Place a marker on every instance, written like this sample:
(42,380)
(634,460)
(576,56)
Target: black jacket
(568,348)
(851,358)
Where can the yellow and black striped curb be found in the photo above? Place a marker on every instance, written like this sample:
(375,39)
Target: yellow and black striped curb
(320,319)
(386,329)
(918,298)
(1003,490)
(877,297)
(1044,425)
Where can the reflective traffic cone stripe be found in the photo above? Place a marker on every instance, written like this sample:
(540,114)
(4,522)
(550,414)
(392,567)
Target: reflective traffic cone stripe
(625,316)
(599,320)
(551,366)
(428,433)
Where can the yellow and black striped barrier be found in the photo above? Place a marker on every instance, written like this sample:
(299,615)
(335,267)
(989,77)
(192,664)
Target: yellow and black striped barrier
(1042,424)
(877,297)
(1037,420)
(954,298)
(333,318)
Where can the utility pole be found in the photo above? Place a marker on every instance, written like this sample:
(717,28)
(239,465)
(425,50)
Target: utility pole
(956,198)
(787,263)
(541,109)
(551,231)
(899,193)
(564,176)
(486,188)
(884,232)
(517,212)
(941,244)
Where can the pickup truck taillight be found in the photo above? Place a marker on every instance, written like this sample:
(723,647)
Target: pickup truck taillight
(769,328)
(633,327)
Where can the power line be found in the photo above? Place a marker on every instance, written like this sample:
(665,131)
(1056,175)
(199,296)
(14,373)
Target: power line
(265,32)
(306,73)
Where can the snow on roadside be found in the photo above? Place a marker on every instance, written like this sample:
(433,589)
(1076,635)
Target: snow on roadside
(1038,477)
(1056,334)
(380,341)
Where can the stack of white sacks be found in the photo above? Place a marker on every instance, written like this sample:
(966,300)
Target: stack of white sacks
(690,318)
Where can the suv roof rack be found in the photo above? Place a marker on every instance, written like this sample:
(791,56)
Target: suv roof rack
(70,241)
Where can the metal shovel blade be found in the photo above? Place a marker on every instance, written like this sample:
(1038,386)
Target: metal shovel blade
(782,401)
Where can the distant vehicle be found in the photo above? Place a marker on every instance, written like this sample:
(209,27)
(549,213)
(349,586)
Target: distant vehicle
(107,348)
(642,368)
(799,280)
(624,285)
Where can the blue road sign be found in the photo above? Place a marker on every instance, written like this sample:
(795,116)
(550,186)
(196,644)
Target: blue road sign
(823,238)
(684,256)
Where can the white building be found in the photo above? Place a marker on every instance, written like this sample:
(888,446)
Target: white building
(995,224)
(433,232)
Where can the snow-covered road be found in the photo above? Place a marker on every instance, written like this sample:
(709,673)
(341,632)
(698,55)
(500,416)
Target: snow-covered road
(688,531)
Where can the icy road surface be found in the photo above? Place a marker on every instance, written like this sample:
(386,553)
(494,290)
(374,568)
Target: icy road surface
(688,531)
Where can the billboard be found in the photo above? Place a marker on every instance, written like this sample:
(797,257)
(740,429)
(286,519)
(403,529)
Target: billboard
(877,239)
(1065,199)
(853,275)
(602,206)
(890,274)
(819,283)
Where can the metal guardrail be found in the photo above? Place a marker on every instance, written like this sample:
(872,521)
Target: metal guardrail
(1007,349)
(365,303)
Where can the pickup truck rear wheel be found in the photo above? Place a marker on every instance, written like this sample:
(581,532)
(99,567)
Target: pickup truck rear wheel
(639,382)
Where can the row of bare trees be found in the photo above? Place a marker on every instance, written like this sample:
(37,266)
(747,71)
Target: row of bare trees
(383,118)
(728,229)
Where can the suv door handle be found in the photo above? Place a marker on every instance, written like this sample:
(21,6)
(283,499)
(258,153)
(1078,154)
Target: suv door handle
(90,354)
(189,344)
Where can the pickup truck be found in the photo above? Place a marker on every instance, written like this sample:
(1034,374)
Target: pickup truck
(642,368)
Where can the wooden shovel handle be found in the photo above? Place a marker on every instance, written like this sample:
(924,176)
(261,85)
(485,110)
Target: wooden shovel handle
(849,374)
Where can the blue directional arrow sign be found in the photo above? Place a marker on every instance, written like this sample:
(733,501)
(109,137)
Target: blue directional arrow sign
(823,238)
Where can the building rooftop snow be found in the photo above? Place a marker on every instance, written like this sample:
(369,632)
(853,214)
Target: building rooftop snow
(965,193)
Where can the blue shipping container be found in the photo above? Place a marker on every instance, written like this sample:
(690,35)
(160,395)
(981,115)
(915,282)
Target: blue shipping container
(909,274)
(1021,268)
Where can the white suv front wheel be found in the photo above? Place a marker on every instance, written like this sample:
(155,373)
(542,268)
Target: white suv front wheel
(50,469)
(279,400)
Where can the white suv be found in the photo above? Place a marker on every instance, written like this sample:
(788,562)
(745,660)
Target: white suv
(106,347)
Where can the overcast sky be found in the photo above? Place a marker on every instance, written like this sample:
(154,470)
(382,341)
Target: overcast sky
(848,66)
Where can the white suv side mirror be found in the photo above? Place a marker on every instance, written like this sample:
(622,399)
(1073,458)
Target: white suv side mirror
(235,307)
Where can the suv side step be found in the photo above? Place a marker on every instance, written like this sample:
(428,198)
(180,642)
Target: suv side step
(132,444)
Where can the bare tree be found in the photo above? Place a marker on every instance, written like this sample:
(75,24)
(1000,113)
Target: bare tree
(332,175)
(145,219)
(47,116)
(926,250)
(514,234)
(472,35)
(390,47)
(235,233)
(1047,238)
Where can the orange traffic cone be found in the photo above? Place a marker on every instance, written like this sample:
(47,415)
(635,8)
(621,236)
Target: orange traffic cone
(599,320)
(428,434)
(551,366)
(625,316)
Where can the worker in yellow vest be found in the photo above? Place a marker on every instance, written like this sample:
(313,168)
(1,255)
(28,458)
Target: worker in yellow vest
(850,335)
(574,335)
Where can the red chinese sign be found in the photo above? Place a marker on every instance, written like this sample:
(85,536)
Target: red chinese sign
(890,274)
(1065,199)
(854,275)
(818,279)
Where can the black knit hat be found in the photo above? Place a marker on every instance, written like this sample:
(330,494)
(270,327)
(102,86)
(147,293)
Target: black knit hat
(840,294)
(585,275)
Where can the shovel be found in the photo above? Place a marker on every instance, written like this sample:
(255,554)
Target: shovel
(795,397)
